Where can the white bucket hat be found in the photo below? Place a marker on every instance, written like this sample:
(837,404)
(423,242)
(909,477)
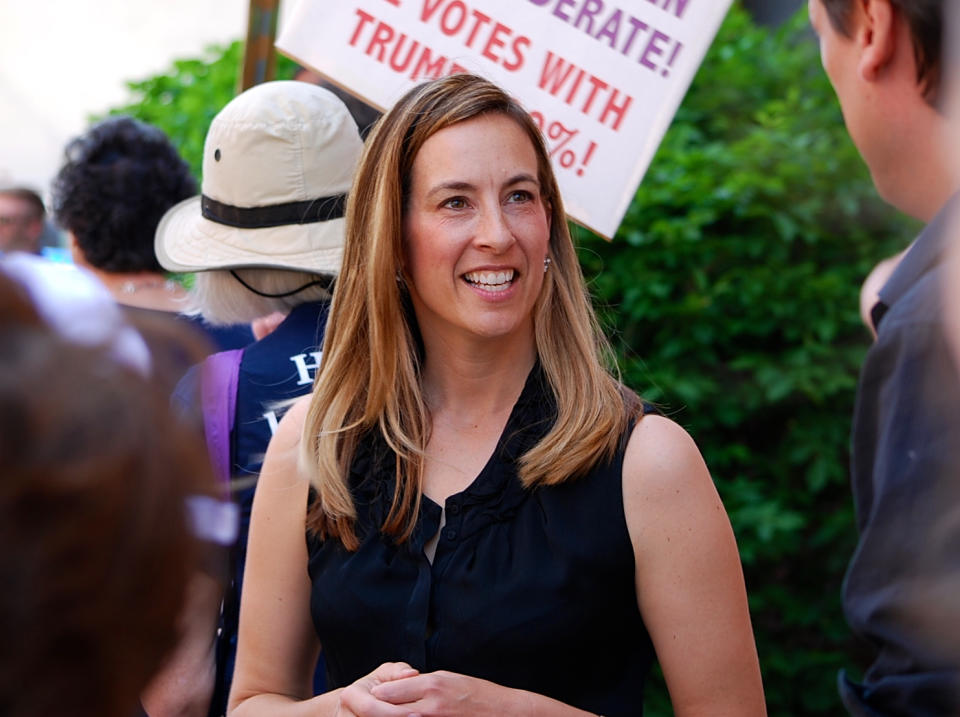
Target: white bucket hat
(277,163)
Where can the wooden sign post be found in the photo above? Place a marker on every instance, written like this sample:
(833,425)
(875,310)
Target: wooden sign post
(259,56)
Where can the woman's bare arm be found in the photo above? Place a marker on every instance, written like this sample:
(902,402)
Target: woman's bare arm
(277,646)
(690,585)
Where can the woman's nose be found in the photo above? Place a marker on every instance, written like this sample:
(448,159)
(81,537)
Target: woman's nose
(494,232)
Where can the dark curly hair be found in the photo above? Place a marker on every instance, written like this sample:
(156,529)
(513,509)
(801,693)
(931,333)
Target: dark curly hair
(117,181)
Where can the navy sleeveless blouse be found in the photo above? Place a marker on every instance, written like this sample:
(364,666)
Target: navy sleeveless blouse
(531,589)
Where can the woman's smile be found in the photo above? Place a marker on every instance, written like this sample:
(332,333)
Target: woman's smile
(496,282)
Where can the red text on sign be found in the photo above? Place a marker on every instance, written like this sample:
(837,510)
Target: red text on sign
(402,53)
(408,56)
(559,138)
(477,31)
(578,88)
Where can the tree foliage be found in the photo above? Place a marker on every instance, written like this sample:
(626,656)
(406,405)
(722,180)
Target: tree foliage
(183,101)
(730,292)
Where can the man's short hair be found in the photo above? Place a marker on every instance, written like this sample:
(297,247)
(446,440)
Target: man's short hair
(925,18)
(28,196)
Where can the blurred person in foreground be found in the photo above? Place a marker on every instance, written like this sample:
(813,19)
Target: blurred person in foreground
(104,505)
(265,238)
(470,514)
(22,217)
(884,60)
(117,181)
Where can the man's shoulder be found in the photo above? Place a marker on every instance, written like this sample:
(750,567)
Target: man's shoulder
(910,368)
(919,309)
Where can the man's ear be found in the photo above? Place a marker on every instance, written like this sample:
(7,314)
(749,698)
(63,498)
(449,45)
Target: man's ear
(876,35)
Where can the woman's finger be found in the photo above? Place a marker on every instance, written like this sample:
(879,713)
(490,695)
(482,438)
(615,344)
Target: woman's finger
(390,671)
(403,690)
(366,705)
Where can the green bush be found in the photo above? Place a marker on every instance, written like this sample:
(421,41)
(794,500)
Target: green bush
(730,292)
(183,101)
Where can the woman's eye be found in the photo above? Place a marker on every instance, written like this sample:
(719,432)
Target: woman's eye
(455,203)
(519,195)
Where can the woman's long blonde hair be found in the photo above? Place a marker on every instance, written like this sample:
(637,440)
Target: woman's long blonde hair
(370,378)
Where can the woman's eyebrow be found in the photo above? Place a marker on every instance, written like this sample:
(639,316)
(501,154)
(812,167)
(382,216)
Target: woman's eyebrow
(522,177)
(460,186)
(452,186)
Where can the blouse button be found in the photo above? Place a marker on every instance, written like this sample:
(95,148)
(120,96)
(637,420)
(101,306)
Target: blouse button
(450,534)
(454,509)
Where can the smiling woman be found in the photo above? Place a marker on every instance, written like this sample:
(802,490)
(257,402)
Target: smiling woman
(495,525)
(476,233)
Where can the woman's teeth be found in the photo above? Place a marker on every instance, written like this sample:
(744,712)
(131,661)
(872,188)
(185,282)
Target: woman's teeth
(490,280)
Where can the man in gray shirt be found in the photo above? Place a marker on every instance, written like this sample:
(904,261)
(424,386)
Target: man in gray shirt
(883,58)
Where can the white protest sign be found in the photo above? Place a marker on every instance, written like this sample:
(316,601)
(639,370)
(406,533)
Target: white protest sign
(603,78)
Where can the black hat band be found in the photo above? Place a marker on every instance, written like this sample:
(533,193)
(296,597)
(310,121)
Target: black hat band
(310,211)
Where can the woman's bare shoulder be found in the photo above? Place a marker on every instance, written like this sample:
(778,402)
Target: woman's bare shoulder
(661,454)
(666,482)
(281,463)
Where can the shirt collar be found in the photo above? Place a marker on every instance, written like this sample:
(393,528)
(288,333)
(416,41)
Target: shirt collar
(922,256)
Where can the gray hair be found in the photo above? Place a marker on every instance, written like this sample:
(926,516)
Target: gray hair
(221,299)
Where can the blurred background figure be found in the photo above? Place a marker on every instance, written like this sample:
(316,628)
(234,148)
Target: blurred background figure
(78,307)
(104,500)
(116,182)
(22,217)
(266,240)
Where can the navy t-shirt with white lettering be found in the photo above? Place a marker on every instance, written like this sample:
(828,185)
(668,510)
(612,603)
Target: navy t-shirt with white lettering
(278,367)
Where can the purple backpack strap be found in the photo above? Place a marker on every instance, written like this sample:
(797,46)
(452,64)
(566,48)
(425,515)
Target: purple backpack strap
(218,396)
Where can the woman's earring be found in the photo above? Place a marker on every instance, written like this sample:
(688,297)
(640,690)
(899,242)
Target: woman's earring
(546,264)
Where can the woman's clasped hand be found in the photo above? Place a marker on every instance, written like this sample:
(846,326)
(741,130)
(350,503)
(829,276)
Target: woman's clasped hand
(397,690)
